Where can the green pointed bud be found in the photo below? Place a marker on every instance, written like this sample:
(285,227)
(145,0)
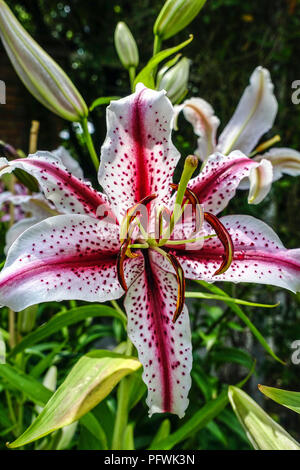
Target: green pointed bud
(41,75)
(175,15)
(175,80)
(126,46)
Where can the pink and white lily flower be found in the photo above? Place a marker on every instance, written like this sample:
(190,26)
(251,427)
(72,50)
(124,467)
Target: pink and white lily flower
(253,117)
(30,209)
(92,252)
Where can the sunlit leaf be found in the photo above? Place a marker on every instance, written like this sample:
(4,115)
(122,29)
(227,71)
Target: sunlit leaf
(146,74)
(262,431)
(102,101)
(90,381)
(285,398)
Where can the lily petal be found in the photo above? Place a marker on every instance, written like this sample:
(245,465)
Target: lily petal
(138,157)
(253,117)
(284,161)
(260,179)
(259,256)
(164,348)
(17,229)
(68,161)
(205,124)
(218,181)
(68,193)
(63,257)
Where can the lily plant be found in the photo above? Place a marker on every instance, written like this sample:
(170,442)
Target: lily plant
(140,240)
(253,117)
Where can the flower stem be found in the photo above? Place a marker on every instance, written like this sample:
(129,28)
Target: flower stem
(89,143)
(157,44)
(131,72)
(123,396)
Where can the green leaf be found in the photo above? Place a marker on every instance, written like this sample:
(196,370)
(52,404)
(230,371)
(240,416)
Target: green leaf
(262,431)
(237,356)
(198,421)
(95,428)
(91,379)
(31,387)
(67,318)
(239,312)
(128,441)
(146,74)
(285,398)
(29,181)
(103,100)
(162,432)
(203,295)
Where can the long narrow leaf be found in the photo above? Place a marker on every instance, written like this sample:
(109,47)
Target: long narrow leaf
(262,431)
(285,398)
(89,382)
(146,74)
(68,318)
(239,312)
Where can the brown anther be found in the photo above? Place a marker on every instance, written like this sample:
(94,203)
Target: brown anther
(181,285)
(224,238)
(120,264)
(197,208)
(159,222)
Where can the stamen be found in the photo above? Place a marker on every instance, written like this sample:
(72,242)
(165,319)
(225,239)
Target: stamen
(180,281)
(162,211)
(190,165)
(120,264)
(132,213)
(266,145)
(197,208)
(224,238)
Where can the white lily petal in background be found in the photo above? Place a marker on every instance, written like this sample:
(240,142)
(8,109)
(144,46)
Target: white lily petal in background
(260,180)
(254,115)
(68,161)
(284,161)
(205,124)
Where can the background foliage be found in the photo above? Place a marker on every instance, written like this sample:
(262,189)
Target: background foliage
(231,37)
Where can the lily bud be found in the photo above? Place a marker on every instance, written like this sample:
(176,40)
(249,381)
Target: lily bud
(175,80)
(126,46)
(41,75)
(175,15)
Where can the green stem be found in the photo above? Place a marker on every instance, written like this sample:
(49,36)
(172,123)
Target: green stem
(89,143)
(121,420)
(131,72)
(157,44)
(156,49)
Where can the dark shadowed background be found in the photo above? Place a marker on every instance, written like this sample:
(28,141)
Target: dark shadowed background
(231,37)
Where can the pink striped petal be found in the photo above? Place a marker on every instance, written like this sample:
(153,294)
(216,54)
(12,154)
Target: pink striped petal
(218,181)
(259,256)
(164,348)
(63,257)
(205,124)
(138,157)
(68,193)
(253,117)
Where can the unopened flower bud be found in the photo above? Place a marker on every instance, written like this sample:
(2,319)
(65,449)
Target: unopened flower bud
(175,15)
(126,46)
(43,77)
(175,80)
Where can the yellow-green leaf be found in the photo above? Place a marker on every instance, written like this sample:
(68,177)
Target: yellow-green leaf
(92,378)
(285,398)
(262,431)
